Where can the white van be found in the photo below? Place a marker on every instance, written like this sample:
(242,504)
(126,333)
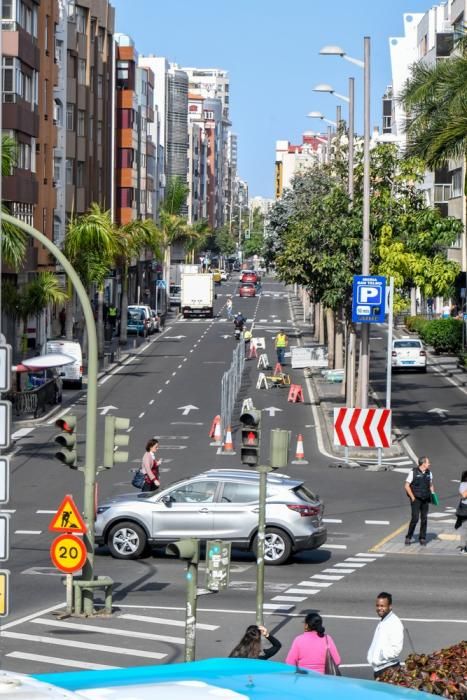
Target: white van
(74,371)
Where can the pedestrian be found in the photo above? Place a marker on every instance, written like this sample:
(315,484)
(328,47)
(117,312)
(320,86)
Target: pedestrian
(309,649)
(249,647)
(150,466)
(228,308)
(281,341)
(461,511)
(62,319)
(388,638)
(112,316)
(247,336)
(419,487)
(446,311)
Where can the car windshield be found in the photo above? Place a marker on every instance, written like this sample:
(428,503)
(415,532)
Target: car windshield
(407,344)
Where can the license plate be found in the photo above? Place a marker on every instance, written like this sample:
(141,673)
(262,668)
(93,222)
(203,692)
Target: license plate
(408,362)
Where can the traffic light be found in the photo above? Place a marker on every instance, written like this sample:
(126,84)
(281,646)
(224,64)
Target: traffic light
(112,440)
(217,564)
(67,441)
(184,549)
(279,448)
(251,433)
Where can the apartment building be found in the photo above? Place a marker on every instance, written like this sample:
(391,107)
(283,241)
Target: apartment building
(197,161)
(292,159)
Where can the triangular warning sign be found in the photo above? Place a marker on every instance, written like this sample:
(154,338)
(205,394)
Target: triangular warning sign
(67,518)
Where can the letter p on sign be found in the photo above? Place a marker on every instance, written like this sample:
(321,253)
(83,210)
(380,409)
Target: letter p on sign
(369,295)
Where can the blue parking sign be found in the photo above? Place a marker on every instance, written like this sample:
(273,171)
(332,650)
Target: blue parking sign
(368,299)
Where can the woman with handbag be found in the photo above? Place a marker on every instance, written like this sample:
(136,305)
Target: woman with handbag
(461,510)
(314,649)
(147,477)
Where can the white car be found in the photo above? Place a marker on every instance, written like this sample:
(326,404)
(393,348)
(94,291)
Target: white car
(408,353)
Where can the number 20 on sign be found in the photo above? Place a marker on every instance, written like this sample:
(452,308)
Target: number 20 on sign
(68,553)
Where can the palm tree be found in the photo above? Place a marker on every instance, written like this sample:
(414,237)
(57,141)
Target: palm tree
(13,240)
(91,245)
(435,99)
(198,233)
(133,238)
(173,225)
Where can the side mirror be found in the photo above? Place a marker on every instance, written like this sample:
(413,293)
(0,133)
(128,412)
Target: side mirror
(166,500)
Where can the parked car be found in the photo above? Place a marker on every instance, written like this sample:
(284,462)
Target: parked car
(229,511)
(408,353)
(247,289)
(72,373)
(145,318)
(217,276)
(175,295)
(156,321)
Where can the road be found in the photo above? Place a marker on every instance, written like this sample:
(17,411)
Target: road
(183,367)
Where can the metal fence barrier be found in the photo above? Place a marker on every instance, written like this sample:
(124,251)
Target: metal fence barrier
(230,386)
(34,401)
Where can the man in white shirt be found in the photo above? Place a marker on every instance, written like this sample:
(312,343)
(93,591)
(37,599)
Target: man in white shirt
(388,638)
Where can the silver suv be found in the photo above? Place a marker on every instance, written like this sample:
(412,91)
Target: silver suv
(220,504)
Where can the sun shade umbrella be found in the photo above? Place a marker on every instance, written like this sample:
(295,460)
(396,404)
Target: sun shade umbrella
(46,361)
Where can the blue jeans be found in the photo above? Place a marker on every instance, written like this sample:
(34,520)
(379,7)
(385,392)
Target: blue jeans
(280,355)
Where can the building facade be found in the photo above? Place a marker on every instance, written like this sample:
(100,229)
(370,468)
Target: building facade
(292,159)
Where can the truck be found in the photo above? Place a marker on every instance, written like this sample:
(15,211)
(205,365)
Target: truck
(197,295)
(176,272)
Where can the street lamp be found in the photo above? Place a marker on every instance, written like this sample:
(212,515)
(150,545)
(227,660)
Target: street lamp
(324,87)
(318,115)
(365,64)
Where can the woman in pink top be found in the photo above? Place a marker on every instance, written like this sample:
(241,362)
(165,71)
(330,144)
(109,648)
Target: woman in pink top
(308,650)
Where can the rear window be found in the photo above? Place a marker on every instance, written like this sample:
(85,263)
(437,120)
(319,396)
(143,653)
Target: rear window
(248,286)
(407,344)
(305,494)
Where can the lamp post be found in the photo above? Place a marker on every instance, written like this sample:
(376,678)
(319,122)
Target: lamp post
(324,87)
(318,115)
(365,64)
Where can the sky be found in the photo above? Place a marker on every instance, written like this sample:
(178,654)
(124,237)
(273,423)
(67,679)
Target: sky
(271,50)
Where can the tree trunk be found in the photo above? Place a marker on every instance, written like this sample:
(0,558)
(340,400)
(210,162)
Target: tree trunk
(316,316)
(166,272)
(413,301)
(100,323)
(124,308)
(69,309)
(330,328)
(321,336)
(339,349)
(351,365)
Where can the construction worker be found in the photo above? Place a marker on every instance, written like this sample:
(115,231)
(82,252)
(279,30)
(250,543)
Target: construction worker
(112,314)
(281,342)
(247,336)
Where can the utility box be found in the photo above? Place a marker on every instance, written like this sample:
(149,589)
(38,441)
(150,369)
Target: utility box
(217,564)
(279,448)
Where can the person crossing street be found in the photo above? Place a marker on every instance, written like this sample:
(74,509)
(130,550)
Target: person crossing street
(419,487)
(281,341)
(388,638)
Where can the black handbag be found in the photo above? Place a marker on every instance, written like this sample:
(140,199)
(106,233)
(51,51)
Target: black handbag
(330,666)
(461,510)
(138,479)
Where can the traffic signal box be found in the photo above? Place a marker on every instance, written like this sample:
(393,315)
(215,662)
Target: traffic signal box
(217,564)
(114,440)
(279,442)
(251,437)
(67,441)
(184,549)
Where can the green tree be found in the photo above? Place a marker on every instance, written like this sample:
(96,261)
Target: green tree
(173,226)
(13,240)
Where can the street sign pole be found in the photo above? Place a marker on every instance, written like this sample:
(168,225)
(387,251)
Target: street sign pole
(263,475)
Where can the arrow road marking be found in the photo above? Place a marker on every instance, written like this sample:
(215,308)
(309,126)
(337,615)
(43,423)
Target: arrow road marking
(105,409)
(272,410)
(442,412)
(186,409)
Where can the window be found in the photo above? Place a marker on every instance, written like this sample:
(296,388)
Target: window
(124,197)
(93,30)
(7,9)
(240,493)
(58,51)
(81,19)
(71,9)
(81,122)
(91,77)
(195,492)
(91,127)
(46,96)
(80,173)
(125,158)
(101,39)
(58,112)
(70,116)
(69,171)
(46,34)
(457,183)
(99,133)
(442,193)
(24,156)
(82,71)
(100,86)
(57,169)
(8,73)
(125,118)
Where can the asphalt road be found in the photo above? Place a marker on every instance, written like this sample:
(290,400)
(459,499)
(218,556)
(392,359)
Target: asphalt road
(183,367)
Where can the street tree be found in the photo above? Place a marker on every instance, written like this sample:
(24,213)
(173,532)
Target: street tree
(13,241)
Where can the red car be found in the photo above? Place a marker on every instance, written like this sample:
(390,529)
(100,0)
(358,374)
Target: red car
(247,289)
(250,276)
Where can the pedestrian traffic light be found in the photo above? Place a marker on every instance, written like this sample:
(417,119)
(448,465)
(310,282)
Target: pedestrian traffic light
(279,441)
(113,440)
(251,433)
(217,564)
(184,549)
(67,441)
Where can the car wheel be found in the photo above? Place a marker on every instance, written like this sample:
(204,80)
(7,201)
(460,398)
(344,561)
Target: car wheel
(277,547)
(126,541)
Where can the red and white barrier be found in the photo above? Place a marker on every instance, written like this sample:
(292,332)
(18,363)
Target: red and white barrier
(362,427)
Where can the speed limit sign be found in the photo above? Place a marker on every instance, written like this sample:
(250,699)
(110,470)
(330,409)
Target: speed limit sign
(68,553)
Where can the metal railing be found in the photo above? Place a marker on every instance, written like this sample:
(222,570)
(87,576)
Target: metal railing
(230,385)
(35,401)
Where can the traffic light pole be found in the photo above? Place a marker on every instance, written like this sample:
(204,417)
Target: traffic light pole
(91,402)
(190,612)
(263,476)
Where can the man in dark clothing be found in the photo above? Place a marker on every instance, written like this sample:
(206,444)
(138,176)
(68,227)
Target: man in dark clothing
(419,487)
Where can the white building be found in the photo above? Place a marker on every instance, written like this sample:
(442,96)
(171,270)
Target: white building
(292,160)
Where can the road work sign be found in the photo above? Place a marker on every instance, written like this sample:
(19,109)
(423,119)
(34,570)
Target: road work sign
(68,518)
(368,299)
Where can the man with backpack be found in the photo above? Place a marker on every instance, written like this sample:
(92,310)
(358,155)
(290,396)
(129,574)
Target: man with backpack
(419,488)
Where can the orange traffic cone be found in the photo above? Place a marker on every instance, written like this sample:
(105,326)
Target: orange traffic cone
(228,443)
(216,420)
(300,452)
(217,435)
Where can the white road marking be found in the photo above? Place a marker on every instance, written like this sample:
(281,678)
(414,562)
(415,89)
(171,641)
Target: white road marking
(27,618)
(402,470)
(151,402)
(46,512)
(336,546)
(307,591)
(331,520)
(337,571)
(326,577)
(312,582)
(49,422)
(354,565)
(28,532)
(373,556)
(22,432)
(13,510)
(438,515)
(141,414)
(163,621)
(368,558)
(179,366)
(377,522)
(185,359)
(83,645)
(63,624)
(289,598)
(167,381)
(183,422)
(278,606)
(173,374)
(159,391)
(59,662)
